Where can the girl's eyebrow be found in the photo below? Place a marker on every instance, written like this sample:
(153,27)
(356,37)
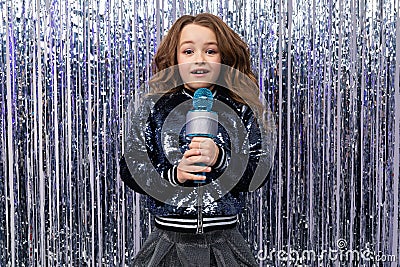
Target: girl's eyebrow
(191,42)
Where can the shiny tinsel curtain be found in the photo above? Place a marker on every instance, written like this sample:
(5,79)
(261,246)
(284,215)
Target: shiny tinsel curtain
(329,69)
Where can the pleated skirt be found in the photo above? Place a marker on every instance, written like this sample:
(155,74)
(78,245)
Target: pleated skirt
(214,248)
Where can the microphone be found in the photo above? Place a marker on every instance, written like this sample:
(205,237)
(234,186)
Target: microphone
(202,121)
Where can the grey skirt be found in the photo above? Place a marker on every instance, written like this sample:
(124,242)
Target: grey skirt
(215,248)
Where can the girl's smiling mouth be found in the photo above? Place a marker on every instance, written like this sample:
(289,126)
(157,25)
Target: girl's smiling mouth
(199,71)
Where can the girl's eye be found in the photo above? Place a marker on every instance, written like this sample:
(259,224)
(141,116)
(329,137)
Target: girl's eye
(188,51)
(211,51)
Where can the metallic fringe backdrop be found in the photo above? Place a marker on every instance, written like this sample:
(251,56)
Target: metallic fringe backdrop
(330,70)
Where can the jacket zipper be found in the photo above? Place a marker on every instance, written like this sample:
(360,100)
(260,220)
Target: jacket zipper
(200,229)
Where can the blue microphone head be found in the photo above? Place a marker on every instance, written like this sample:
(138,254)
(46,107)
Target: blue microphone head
(203,99)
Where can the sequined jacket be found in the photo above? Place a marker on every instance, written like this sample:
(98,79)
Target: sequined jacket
(155,142)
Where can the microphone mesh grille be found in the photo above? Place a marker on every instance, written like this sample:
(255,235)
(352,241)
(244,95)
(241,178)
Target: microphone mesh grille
(203,99)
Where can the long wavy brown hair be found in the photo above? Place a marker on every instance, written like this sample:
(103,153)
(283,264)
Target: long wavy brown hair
(236,78)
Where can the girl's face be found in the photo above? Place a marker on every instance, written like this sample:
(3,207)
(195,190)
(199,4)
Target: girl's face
(198,57)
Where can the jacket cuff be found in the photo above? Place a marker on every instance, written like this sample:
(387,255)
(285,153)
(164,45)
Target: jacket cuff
(171,176)
(222,160)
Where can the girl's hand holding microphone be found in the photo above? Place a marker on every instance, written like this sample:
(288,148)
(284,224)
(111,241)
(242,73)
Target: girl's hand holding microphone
(202,151)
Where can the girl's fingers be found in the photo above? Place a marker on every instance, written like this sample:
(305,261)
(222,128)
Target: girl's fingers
(194,168)
(197,157)
(192,152)
(190,176)
(184,176)
(199,139)
(200,142)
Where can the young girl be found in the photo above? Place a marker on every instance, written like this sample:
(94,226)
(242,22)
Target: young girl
(196,223)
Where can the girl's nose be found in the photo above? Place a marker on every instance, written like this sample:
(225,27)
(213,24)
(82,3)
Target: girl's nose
(199,58)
